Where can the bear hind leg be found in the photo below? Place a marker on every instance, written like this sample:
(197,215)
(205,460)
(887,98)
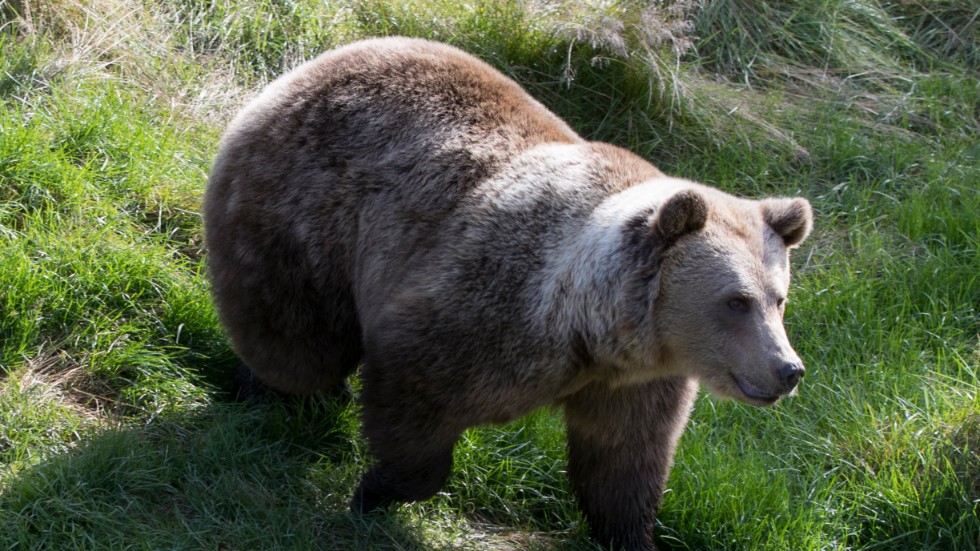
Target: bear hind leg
(297,367)
(297,342)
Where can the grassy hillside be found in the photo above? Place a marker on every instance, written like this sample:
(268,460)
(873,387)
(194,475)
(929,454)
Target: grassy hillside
(115,426)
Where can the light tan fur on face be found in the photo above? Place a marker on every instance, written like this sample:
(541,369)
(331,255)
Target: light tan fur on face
(738,257)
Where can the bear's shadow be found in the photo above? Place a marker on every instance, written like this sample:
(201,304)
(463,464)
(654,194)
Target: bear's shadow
(275,475)
(228,476)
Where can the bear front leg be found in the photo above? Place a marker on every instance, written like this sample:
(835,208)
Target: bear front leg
(413,441)
(621,445)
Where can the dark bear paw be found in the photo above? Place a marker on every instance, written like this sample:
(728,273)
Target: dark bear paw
(373,494)
(248,388)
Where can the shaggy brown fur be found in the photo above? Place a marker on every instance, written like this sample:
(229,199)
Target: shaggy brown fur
(399,203)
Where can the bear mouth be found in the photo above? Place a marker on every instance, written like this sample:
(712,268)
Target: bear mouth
(753,393)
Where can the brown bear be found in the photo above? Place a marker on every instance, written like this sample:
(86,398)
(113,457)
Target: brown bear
(400,205)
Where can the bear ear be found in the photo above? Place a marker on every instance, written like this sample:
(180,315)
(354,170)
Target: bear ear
(685,212)
(791,219)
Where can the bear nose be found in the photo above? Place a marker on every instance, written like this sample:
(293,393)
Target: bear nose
(790,373)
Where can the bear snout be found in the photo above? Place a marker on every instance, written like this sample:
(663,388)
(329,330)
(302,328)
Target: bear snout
(790,374)
(783,377)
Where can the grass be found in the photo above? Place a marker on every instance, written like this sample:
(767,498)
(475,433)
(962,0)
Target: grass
(115,426)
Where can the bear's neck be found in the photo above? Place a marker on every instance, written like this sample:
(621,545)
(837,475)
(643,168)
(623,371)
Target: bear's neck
(583,293)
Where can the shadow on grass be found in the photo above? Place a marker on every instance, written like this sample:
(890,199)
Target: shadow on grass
(277,475)
(224,477)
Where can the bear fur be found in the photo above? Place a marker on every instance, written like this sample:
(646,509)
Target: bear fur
(400,205)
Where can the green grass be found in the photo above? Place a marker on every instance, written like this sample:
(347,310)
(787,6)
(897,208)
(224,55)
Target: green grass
(115,427)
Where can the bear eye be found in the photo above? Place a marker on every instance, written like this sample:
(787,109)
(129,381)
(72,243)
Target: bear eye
(780,302)
(739,304)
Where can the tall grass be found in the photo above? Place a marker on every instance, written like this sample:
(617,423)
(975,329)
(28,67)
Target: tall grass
(115,425)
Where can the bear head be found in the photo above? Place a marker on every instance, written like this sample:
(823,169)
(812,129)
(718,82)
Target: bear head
(720,280)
